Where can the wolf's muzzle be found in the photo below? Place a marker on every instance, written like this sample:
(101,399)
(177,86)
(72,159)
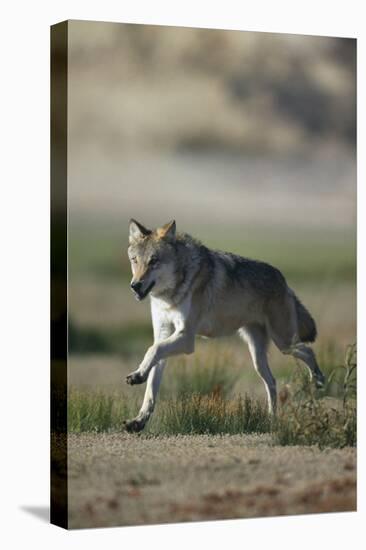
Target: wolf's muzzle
(139,293)
(136,287)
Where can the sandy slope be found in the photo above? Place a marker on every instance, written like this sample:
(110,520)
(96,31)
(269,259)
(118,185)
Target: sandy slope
(125,479)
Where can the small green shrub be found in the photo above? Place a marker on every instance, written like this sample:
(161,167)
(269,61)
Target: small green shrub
(308,417)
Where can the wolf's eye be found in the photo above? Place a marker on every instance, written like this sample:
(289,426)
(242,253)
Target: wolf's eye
(133,259)
(153,262)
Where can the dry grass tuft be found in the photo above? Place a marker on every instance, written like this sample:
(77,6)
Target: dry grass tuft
(211,414)
(308,417)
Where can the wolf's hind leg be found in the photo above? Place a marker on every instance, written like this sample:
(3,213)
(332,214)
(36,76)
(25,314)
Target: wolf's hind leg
(152,387)
(257,339)
(283,329)
(307,355)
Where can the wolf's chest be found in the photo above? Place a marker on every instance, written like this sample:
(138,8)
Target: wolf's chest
(165,314)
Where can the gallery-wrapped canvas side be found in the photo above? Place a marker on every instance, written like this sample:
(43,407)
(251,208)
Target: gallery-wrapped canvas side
(59,508)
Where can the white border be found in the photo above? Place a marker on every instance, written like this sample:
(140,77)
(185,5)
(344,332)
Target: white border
(25,267)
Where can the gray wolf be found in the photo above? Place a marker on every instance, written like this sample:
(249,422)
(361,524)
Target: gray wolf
(195,291)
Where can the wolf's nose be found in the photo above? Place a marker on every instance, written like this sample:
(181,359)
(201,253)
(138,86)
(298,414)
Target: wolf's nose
(136,286)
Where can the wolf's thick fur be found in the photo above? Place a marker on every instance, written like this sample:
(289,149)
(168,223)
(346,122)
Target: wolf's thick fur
(198,291)
(306,324)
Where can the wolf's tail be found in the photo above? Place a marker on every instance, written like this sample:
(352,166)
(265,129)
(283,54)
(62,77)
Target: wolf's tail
(307,326)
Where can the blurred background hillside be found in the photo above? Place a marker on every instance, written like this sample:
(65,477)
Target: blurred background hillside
(180,89)
(246,139)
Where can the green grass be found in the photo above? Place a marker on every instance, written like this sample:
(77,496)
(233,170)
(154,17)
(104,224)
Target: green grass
(97,411)
(211,414)
(192,414)
(306,416)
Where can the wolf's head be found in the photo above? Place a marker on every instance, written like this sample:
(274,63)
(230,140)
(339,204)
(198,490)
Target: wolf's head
(152,257)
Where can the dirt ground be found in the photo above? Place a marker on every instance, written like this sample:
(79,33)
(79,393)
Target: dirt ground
(121,479)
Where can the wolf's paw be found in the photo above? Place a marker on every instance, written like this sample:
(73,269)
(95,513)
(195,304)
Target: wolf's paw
(135,378)
(320,381)
(134,425)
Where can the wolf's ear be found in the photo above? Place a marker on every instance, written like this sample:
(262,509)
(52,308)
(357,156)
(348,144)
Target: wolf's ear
(168,230)
(137,231)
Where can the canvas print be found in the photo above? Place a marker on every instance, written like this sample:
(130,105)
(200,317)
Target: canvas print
(203,263)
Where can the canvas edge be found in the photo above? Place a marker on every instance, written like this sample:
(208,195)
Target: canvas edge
(58,274)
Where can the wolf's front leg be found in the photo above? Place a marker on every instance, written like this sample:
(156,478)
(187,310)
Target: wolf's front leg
(140,375)
(177,344)
(152,387)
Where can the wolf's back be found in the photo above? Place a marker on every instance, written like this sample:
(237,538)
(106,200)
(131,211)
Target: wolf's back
(307,326)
